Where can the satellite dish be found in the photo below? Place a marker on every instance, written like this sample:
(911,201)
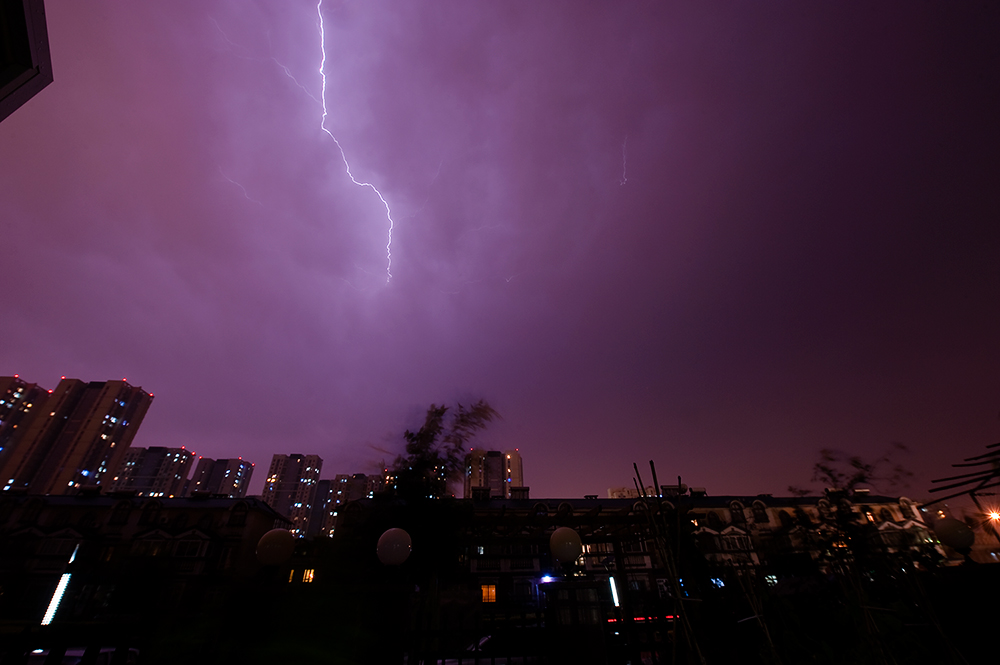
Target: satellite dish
(565,544)
(394,547)
(954,533)
(275,547)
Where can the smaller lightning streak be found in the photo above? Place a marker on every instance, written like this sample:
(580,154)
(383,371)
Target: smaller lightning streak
(225,36)
(287,71)
(428,198)
(624,160)
(343,156)
(247,196)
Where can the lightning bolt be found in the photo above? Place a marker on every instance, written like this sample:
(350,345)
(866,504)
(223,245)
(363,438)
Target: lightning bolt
(343,155)
(233,45)
(288,72)
(247,196)
(624,160)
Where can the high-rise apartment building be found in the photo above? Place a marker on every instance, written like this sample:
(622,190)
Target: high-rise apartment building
(513,470)
(19,401)
(322,510)
(493,473)
(227,477)
(331,495)
(79,438)
(290,487)
(154,471)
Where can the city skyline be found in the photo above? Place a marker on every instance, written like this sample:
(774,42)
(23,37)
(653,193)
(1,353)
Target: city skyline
(719,237)
(82,440)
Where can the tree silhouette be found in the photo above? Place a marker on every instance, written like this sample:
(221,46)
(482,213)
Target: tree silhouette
(435,453)
(842,472)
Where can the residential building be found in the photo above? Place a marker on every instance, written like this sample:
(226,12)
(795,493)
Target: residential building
(629,492)
(345,487)
(375,483)
(112,568)
(290,487)
(642,561)
(155,471)
(322,511)
(80,438)
(493,474)
(221,477)
(513,470)
(19,401)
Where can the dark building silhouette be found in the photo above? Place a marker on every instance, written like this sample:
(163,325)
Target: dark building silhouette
(109,571)
(482,582)
(177,580)
(221,477)
(25,64)
(333,495)
(79,437)
(19,401)
(322,507)
(290,487)
(491,474)
(154,471)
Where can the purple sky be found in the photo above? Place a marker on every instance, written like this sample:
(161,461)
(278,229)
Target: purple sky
(719,235)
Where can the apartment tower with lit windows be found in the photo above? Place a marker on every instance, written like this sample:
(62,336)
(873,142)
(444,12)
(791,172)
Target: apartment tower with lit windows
(226,477)
(494,472)
(79,438)
(154,471)
(290,487)
(19,402)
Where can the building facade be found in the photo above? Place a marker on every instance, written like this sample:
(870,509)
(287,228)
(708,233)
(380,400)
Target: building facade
(104,570)
(19,401)
(155,471)
(221,477)
(628,492)
(79,438)
(334,494)
(290,487)
(493,474)
(644,563)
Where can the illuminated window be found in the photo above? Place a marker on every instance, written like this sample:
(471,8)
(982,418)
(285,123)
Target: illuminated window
(307,575)
(489,593)
(291,575)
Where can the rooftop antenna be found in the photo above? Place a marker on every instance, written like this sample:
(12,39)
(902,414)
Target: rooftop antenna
(638,478)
